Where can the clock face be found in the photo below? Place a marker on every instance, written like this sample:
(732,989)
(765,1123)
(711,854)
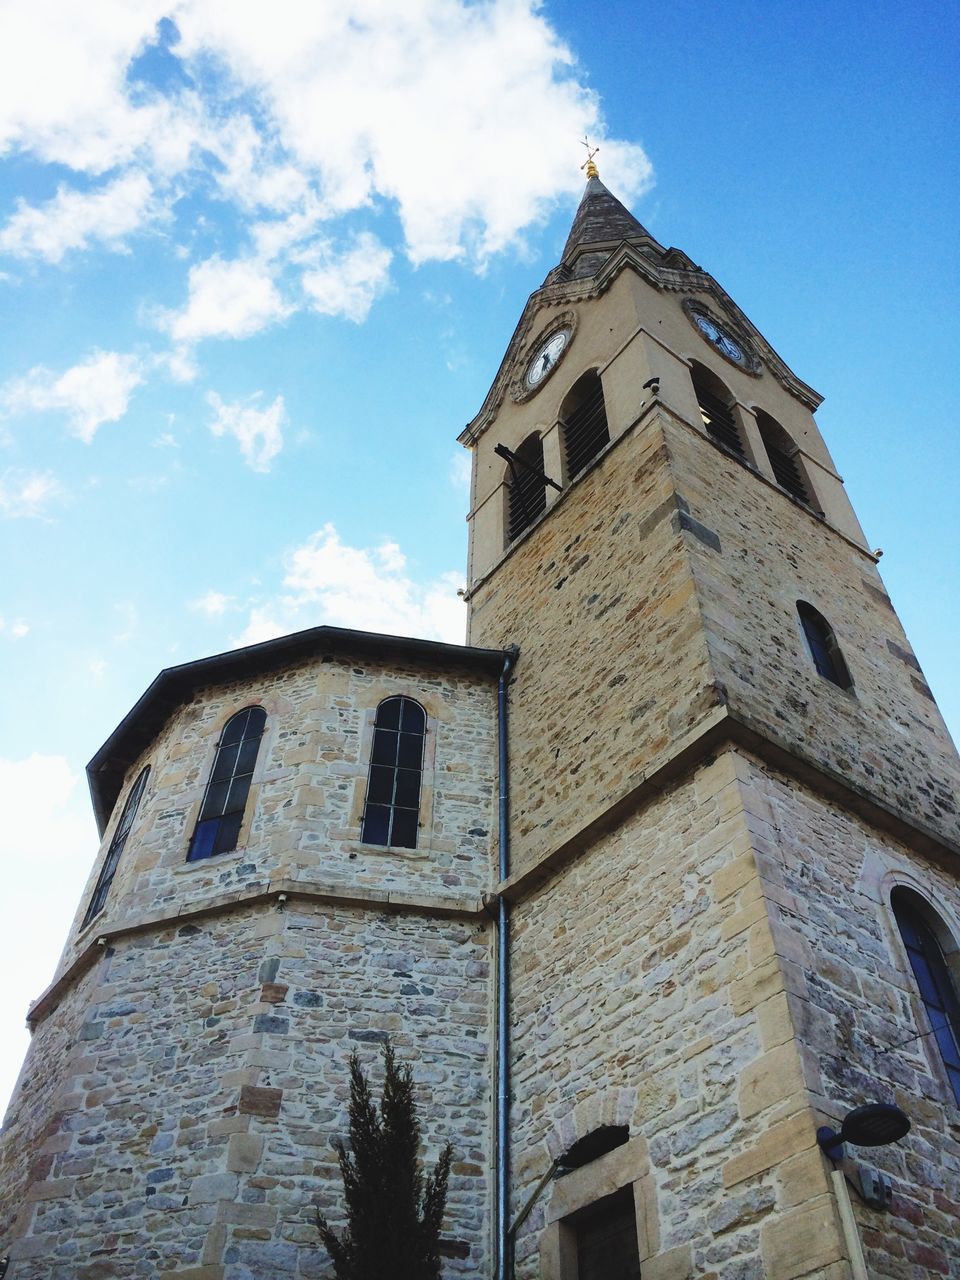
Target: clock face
(546,357)
(721,339)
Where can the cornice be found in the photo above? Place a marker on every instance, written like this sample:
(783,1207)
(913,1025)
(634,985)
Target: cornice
(672,275)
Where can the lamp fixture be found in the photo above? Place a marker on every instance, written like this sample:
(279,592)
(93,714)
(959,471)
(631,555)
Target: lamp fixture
(876,1124)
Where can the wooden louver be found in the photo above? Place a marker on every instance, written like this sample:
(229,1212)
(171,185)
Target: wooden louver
(585,430)
(528,495)
(719,421)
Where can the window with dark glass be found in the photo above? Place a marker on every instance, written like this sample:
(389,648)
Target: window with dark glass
(391,813)
(527,491)
(935,983)
(221,814)
(110,862)
(823,646)
(583,418)
(716,410)
(783,456)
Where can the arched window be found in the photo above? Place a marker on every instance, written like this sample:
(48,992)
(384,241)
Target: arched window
(527,492)
(391,812)
(109,868)
(784,462)
(583,418)
(221,814)
(823,646)
(716,410)
(935,983)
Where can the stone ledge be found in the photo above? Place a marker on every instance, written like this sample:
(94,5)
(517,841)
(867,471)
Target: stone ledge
(263,894)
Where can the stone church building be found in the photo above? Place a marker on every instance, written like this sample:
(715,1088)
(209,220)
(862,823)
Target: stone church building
(649,881)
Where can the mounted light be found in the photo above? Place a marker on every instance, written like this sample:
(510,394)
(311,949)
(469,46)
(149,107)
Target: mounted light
(876,1124)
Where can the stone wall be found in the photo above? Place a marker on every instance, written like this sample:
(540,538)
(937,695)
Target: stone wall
(614,671)
(647,991)
(828,878)
(886,736)
(305,808)
(196,1105)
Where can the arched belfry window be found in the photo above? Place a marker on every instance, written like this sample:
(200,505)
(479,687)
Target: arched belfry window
(783,455)
(391,812)
(117,844)
(936,984)
(221,814)
(583,420)
(716,410)
(823,646)
(526,489)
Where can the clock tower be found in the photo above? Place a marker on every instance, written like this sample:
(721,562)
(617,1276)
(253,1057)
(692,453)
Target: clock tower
(732,798)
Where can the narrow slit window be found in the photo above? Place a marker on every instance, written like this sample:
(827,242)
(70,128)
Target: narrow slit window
(583,417)
(716,410)
(391,812)
(224,801)
(934,982)
(117,845)
(823,646)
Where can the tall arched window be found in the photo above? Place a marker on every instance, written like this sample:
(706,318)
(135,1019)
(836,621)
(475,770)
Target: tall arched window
(391,812)
(583,418)
(784,462)
(935,983)
(527,492)
(221,814)
(716,410)
(823,646)
(110,862)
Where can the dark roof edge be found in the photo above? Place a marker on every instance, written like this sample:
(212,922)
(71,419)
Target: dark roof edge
(173,685)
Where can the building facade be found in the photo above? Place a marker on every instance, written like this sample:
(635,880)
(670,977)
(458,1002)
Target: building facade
(711,905)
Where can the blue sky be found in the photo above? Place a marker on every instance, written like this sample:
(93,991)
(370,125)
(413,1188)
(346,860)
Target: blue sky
(258,267)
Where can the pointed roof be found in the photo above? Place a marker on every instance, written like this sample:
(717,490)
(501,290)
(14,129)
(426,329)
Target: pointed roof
(601,217)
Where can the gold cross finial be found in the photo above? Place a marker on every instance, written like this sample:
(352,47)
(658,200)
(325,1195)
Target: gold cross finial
(588,165)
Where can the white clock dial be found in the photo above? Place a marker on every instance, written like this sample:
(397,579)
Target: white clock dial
(546,357)
(722,340)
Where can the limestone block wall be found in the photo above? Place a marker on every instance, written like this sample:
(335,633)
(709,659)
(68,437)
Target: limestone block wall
(614,669)
(886,736)
(648,991)
(184,1126)
(305,809)
(828,878)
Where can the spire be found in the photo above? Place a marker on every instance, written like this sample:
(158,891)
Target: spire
(601,218)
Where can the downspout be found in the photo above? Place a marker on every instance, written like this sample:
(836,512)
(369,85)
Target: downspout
(502,1050)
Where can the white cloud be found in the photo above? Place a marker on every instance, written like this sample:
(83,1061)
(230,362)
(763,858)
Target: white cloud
(91,393)
(16,629)
(227,300)
(73,219)
(349,284)
(258,431)
(27,493)
(214,604)
(370,589)
(465,134)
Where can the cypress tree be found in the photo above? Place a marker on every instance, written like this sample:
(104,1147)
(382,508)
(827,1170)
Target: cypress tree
(394,1214)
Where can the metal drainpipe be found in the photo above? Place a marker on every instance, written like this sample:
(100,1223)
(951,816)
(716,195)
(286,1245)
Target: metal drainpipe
(511,653)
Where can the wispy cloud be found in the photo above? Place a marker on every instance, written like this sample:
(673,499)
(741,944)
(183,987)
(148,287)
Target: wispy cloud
(91,393)
(27,493)
(16,628)
(213,604)
(75,219)
(258,431)
(227,300)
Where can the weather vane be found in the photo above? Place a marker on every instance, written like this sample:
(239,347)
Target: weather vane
(588,164)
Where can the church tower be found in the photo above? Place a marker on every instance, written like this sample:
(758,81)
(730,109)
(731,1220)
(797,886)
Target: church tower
(734,839)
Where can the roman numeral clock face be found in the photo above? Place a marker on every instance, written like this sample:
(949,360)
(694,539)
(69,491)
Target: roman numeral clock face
(546,358)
